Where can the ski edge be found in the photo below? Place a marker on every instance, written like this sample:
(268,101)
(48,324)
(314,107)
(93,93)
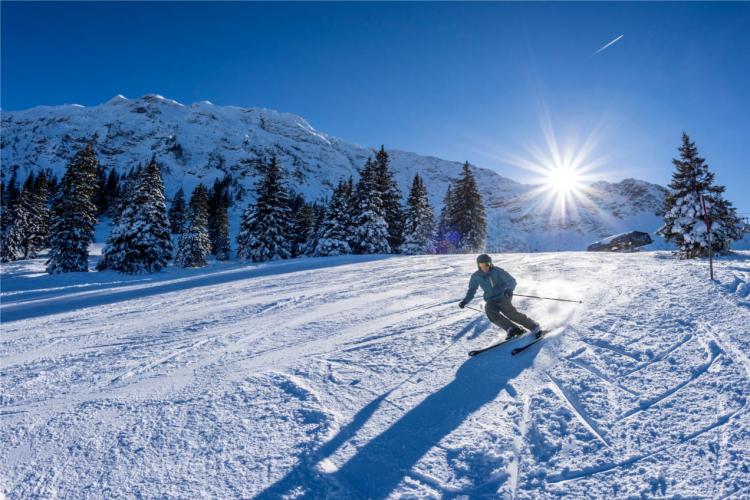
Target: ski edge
(476,352)
(519,350)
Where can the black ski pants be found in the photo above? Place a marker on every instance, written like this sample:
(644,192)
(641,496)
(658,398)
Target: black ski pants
(502,313)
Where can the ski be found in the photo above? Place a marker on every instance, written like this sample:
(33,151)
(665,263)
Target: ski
(524,347)
(498,344)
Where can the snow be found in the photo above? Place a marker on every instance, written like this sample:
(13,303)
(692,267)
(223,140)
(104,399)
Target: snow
(118,99)
(348,377)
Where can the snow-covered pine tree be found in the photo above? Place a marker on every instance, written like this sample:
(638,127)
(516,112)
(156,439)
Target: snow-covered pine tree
(126,191)
(17,237)
(470,220)
(3,204)
(446,235)
(369,228)
(41,220)
(318,215)
(177,212)
(195,244)
(8,195)
(73,215)
(303,214)
(265,226)
(5,221)
(12,191)
(141,242)
(220,244)
(10,243)
(100,197)
(111,189)
(11,238)
(684,222)
(31,217)
(419,223)
(219,201)
(391,197)
(333,237)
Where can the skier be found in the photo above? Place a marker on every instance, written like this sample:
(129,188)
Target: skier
(498,288)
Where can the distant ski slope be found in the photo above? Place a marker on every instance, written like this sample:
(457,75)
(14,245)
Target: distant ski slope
(349,378)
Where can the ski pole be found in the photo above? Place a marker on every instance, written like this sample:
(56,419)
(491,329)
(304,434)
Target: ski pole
(474,308)
(547,298)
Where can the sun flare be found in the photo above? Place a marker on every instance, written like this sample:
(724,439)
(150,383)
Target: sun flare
(564,180)
(563,171)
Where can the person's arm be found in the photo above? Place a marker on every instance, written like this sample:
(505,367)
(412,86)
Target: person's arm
(508,280)
(473,284)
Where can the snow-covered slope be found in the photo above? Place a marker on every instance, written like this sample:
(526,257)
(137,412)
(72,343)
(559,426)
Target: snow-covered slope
(348,377)
(202,142)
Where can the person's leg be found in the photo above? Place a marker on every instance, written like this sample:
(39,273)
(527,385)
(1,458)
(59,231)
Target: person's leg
(506,308)
(493,313)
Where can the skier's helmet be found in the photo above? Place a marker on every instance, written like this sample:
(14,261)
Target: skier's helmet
(484,259)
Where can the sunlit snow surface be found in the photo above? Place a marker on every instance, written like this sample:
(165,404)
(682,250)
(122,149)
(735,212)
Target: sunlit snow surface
(349,378)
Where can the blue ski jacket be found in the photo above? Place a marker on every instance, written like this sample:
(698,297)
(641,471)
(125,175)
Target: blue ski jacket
(495,283)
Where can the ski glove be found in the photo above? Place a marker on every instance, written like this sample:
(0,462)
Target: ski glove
(462,304)
(509,294)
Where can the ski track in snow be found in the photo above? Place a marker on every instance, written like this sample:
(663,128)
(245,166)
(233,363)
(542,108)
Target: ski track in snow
(349,378)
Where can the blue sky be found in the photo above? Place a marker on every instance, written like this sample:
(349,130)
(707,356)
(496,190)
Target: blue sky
(462,81)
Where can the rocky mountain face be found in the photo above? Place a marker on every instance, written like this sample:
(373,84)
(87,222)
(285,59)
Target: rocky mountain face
(202,142)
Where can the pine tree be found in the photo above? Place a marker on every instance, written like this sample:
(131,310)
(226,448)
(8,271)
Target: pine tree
(470,221)
(26,224)
(684,222)
(446,235)
(318,216)
(4,219)
(390,196)
(40,221)
(53,185)
(219,202)
(220,245)
(26,220)
(333,237)
(195,244)
(303,214)
(419,223)
(11,243)
(141,242)
(177,212)
(74,215)
(265,226)
(370,230)
(126,191)
(12,190)
(100,197)
(17,238)
(7,247)
(11,237)
(111,190)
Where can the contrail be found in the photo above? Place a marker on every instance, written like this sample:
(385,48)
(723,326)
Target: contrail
(610,43)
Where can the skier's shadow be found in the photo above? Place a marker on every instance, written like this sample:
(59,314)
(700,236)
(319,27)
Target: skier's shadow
(380,465)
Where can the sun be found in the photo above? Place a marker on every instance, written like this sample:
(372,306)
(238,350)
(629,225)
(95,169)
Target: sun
(564,180)
(563,174)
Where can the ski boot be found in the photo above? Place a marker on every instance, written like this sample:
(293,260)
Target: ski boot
(537,332)
(514,332)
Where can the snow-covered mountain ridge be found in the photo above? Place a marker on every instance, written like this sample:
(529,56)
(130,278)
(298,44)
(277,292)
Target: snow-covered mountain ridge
(201,142)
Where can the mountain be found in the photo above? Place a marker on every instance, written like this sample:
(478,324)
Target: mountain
(202,142)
